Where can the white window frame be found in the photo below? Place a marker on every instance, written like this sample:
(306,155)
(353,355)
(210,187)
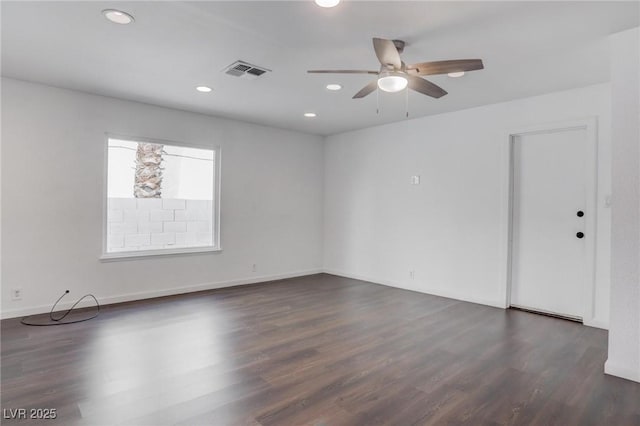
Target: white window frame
(127,255)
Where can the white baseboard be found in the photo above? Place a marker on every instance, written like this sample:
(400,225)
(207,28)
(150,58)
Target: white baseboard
(13,313)
(159,293)
(448,294)
(626,373)
(431,291)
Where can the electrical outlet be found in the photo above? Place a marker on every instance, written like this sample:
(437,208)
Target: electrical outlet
(412,274)
(16,293)
(254,268)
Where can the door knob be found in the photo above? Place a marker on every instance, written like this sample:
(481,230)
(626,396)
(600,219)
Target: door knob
(580,235)
(580,213)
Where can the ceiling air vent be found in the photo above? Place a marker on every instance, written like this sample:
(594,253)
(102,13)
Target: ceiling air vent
(243,69)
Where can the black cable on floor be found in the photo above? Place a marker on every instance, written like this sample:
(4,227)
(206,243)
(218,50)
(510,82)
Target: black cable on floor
(60,320)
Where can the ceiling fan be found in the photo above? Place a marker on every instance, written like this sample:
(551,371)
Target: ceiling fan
(394,75)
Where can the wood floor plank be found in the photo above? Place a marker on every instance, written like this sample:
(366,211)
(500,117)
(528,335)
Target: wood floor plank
(318,350)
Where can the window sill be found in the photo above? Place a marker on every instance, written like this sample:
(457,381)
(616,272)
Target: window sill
(131,255)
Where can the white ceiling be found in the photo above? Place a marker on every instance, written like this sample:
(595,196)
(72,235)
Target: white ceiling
(528,48)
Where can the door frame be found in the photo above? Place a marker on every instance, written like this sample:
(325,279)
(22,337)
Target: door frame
(590,125)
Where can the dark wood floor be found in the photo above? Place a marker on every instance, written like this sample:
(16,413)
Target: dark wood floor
(318,350)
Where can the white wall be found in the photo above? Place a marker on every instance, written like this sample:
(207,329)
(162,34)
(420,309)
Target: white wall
(449,229)
(624,332)
(52,186)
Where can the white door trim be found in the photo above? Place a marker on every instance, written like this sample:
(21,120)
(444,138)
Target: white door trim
(590,125)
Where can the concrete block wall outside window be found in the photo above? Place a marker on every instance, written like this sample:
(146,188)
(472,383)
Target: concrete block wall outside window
(135,224)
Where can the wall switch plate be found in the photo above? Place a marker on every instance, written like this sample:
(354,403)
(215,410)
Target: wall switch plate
(415,180)
(412,274)
(254,268)
(16,294)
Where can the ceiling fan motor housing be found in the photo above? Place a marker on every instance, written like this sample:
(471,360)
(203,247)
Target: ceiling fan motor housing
(399,44)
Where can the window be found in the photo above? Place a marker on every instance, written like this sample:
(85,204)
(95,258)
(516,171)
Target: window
(162,198)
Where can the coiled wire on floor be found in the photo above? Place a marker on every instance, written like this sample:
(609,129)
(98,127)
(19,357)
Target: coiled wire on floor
(41,320)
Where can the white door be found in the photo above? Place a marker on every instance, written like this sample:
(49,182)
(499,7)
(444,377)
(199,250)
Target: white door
(549,263)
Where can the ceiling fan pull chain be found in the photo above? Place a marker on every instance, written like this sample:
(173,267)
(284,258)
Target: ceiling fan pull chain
(406,101)
(377,101)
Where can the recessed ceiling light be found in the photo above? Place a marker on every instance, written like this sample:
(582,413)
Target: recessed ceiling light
(117,16)
(456,74)
(310,114)
(327,3)
(203,89)
(333,87)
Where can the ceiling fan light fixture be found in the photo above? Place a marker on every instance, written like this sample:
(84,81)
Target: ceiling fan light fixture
(392,82)
(456,74)
(327,3)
